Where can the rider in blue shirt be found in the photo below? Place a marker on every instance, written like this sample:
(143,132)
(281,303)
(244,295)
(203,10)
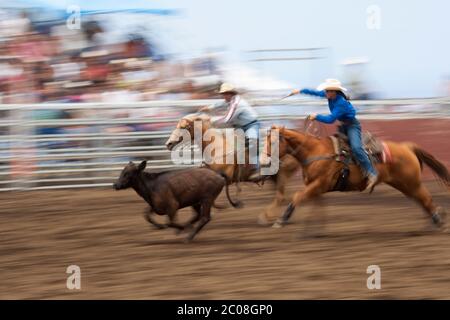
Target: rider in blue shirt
(342,110)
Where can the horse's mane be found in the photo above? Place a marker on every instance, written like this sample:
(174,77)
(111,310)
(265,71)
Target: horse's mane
(295,130)
(303,133)
(197,116)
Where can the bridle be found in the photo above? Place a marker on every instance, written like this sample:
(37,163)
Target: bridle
(292,151)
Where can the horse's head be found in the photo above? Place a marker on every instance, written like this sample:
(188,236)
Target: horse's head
(270,140)
(186,126)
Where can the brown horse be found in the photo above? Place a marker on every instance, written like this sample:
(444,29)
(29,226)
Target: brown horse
(321,170)
(234,172)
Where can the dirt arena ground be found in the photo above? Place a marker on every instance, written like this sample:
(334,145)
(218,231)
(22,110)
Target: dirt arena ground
(122,257)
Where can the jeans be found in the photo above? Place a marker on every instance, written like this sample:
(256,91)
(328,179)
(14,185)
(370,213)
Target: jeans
(251,135)
(352,129)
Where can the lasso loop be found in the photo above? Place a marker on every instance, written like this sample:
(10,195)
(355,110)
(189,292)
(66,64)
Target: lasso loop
(312,128)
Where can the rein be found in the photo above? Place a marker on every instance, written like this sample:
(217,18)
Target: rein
(317,158)
(307,161)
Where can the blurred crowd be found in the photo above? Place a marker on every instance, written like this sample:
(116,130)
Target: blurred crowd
(59,64)
(52,63)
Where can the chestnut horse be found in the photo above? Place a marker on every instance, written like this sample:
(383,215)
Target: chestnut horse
(321,170)
(234,172)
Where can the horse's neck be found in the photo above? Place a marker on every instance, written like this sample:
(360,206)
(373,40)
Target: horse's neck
(299,143)
(219,140)
(300,138)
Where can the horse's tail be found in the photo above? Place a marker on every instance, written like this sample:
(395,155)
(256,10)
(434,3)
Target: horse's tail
(236,204)
(438,167)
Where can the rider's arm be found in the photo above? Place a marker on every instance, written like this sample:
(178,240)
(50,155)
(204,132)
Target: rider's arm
(338,112)
(216,105)
(329,118)
(312,92)
(231,112)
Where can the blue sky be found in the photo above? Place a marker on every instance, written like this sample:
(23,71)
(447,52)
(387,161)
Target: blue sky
(409,54)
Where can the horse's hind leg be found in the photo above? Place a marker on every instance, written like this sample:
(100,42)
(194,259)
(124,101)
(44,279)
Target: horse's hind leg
(423,197)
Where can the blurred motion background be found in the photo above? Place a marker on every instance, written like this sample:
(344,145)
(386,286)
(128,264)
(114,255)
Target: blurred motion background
(86,86)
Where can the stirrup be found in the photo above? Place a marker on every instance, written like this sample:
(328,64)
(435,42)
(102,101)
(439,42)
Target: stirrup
(371,185)
(255,177)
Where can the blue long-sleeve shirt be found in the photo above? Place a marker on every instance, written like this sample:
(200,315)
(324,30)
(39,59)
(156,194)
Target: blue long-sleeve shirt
(341,109)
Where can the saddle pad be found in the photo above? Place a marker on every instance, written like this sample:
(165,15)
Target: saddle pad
(386,155)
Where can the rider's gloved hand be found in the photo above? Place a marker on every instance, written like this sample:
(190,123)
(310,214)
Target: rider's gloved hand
(312,116)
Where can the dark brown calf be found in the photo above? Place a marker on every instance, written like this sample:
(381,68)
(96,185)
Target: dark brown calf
(168,191)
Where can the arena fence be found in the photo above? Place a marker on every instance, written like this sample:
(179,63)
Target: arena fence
(80,145)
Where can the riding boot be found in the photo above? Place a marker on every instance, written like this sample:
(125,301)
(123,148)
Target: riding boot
(254,160)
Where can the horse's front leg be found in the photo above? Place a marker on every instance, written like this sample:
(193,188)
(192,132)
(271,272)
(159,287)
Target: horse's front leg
(312,190)
(270,214)
(288,168)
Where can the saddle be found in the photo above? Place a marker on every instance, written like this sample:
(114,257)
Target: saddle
(376,149)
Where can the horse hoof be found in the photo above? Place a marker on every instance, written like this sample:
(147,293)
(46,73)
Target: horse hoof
(277,225)
(437,220)
(262,220)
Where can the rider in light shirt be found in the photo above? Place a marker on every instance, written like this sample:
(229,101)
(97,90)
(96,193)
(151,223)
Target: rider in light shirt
(240,114)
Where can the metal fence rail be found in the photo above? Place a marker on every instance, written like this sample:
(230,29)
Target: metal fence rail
(84,154)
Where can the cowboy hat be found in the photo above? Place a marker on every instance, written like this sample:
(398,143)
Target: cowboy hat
(226,87)
(332,84)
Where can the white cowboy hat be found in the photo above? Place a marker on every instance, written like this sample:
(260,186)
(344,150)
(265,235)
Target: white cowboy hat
(226,87)
(332,84)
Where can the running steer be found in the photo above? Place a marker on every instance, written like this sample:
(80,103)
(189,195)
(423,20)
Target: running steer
(166,192)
